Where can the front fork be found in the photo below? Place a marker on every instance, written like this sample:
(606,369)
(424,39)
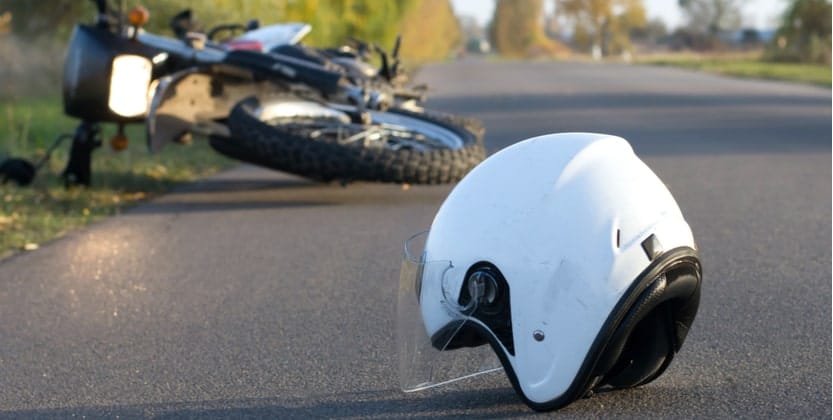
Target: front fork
(86,139)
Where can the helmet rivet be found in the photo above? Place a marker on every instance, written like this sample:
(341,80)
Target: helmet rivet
(538,335)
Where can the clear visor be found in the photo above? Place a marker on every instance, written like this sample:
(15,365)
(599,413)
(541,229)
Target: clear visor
(434,332)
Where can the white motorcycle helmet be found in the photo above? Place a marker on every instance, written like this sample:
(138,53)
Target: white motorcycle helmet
(566,255)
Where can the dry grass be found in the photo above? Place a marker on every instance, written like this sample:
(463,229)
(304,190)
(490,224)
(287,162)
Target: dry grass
(31,117)
(746,65)
(45,210)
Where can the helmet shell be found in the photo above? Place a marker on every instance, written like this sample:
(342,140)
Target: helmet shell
(563,217)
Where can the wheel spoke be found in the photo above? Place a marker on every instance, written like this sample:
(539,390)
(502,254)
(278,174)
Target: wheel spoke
(393,134)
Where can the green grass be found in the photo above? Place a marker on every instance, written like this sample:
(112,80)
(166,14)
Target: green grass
(747,66)
(45,210)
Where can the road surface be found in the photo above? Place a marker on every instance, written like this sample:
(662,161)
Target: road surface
(257,294)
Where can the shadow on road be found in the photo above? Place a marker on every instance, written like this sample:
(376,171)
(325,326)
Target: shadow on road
(173,206)
(248,184)
(251,188)
(446,404)
(223,194)
(488,403)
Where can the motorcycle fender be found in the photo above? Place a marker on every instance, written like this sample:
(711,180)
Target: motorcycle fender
(191,101)
(177,101)
(195,100)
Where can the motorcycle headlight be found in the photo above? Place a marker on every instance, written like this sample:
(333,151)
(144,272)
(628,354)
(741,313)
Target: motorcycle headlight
(129,83)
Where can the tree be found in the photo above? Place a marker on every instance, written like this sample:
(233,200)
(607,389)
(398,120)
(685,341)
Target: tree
(429,24)
(653,31)
(517,30)
(5,22)
(712,17)
(429,30)
(44,18)
(602,24)
(514,25)
(805,33)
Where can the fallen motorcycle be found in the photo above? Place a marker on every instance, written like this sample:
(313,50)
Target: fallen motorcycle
(351,59)
(317,120)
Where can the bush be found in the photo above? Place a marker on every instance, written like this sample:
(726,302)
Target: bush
(804,35)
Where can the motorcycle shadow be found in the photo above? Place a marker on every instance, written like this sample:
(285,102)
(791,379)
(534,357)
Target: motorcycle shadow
(249,188)
(217,185)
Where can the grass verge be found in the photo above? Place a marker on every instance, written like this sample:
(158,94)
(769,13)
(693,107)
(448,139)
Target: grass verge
(46,210)
(745,65)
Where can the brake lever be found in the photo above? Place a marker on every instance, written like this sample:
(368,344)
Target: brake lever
(384,70)
(395,56)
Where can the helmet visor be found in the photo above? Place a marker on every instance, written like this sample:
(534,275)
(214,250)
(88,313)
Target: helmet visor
(434,332)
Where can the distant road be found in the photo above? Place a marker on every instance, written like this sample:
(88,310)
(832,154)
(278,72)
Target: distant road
(253,293)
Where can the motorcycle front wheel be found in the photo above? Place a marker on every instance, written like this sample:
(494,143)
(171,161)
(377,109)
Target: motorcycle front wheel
(318,142)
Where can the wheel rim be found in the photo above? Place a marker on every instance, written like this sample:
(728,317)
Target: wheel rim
(386,130)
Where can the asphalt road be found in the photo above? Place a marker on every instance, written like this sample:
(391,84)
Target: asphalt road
(256,294)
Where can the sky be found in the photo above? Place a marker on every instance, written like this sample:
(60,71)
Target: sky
(759,14)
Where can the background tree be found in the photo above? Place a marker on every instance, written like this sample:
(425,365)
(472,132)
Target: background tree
(653,32)
(428,23)
(5,22)
(804,34)
(33,51)
(712,17)
(602,24)
(32,18)
(430,30)
(517,30)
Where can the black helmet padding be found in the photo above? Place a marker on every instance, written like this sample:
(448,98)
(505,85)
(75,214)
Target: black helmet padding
(653,330)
